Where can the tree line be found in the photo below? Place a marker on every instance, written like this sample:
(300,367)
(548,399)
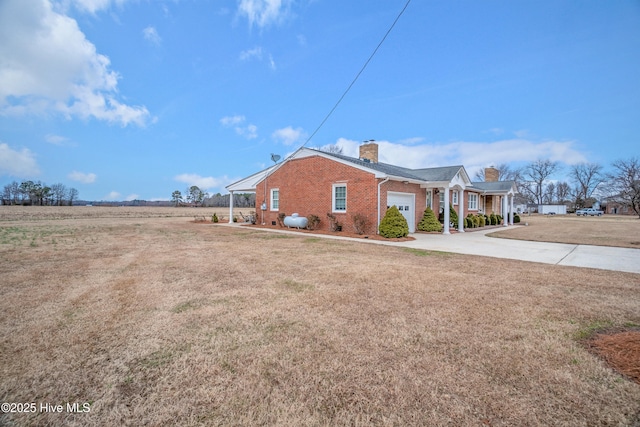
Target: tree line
(194,196)
(38,193)
(588,182)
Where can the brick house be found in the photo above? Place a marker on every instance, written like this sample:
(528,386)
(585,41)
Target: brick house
(316,182)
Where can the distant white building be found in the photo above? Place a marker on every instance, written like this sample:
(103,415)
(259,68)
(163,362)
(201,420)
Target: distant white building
(552,209)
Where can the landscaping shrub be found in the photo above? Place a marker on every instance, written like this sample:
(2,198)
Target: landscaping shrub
(468,223)
(516,218)
(493,219)
(481,220)
(487,220)
(359,223)
(453,216)
(429,222)
(499,218)
(235,219)
(214,218)
(393,224)
(334,224)
(313,221)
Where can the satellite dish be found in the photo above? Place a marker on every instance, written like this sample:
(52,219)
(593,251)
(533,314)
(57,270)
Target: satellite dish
(275,157)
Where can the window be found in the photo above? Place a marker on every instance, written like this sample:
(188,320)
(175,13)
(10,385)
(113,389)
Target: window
(454,198)
(430,199)
(441,200)
(275,199)
(473,202)
(339,198)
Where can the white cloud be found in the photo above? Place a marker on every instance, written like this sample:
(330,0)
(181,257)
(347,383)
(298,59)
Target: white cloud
(257,54)
(56,139)
(205,183)
(93,6)
(21,164)
(85,178)
(151,35)
(232,120)
(246,55)
(47,65)
(472,155)
(263,13)
(131,197)
(114,195)
(249,131)
(289,135)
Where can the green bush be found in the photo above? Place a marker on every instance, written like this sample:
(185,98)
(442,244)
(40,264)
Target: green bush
(493,219)
(516,218)
(499,217)
(481,221)
(393,224)
(453,216)
(214,218)
(468,223)
(429,222)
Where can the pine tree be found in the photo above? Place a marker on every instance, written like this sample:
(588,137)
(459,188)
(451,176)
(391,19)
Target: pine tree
(393,224)
(429,222)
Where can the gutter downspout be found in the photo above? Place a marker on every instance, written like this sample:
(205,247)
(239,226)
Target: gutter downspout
(379,184)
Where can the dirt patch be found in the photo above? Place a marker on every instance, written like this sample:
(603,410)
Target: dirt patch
(621,351)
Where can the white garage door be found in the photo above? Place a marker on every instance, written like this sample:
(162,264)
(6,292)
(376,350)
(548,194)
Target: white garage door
(406,204)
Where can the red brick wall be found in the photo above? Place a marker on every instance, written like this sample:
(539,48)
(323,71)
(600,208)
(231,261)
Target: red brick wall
(306,187)
(400,187)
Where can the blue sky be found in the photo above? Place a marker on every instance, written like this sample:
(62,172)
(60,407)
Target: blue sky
(126,99)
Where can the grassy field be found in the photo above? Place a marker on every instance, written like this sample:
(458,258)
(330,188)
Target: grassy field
(609,230)
(153,319)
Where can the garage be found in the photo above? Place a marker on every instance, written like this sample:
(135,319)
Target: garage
(406,204)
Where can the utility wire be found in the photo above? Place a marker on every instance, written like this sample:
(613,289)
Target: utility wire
(358,75)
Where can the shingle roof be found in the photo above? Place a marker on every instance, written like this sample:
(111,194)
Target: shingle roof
(493,186)
(380,167)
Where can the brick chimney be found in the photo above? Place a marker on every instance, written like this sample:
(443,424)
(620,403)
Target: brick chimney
(491,174)
(369,151)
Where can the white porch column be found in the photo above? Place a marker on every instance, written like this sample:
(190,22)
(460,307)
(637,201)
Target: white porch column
(511,209)
(461,211)
(230,207)
(446,211)
(505,213)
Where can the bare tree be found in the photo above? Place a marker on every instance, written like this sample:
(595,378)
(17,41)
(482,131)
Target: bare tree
(332,148)
(72,195)
(549,193)
(586,177)
(536,175)
(624,183)
(563,191)
(59,192)
(505,173)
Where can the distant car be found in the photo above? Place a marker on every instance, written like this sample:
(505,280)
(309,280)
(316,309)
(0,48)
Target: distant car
(589,211)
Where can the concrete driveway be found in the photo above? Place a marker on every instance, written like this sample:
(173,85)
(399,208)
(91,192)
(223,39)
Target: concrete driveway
(477,243)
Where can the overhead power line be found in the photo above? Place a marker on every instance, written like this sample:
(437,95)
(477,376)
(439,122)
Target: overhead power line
(358,75)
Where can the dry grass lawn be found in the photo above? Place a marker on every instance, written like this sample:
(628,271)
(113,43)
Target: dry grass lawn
(608,230)
(161,321)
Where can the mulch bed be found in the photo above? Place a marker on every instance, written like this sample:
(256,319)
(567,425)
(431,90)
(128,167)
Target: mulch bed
(621,351)
(335,233)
